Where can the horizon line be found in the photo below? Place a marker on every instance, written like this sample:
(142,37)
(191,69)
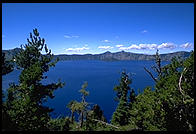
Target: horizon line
(123,51)
(111,52)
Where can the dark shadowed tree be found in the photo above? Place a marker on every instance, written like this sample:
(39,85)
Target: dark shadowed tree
(7,123)
(7,66)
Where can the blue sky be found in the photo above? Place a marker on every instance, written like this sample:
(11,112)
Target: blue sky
(80,28)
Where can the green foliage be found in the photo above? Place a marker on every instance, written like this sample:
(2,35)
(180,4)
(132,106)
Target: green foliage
(171,105)
(95,113)
(24,102)
(87,118)
(120,116)
(83,90)
(123,87)
(73,106)
(7,66)
(174,90)
(142,113)
(80,107)
(59,124)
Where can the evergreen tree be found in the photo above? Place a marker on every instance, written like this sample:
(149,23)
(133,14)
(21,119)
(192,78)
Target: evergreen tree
(157,67)
(83,103)
(123,88)
(73,106)
(171,105)
(59,124)
(120,116)
(175,92)
(94,115)
(80,107)
(143,110)
(24,102)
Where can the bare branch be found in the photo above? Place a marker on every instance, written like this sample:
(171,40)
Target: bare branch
(180,81)
(156,69)
(150,74)
(105,123)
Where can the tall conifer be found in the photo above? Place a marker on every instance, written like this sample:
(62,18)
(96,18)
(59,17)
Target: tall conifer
(24,102)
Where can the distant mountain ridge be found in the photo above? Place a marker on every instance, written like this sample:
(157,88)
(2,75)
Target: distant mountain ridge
(122,55)
(107,56)
(10,53)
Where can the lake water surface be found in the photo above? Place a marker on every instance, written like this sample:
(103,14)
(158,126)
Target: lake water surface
(101,76)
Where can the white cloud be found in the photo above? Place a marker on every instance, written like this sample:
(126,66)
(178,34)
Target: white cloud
(75,36)
(105,47)
(119,45)
(187,45)
(166,45)
(130,47)
(134,47)
(77,49)
(106,41)
(143,46)
(140,46)
(153,46)
(144,31)
(71,36)
(148,46)
(123,48)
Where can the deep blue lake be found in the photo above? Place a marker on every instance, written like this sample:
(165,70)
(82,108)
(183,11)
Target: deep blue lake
(102,76)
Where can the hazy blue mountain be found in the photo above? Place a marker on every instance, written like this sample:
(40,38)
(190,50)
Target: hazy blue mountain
(10,53)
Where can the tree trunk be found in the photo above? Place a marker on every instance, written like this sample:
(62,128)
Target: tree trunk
(72,117)
(81,120)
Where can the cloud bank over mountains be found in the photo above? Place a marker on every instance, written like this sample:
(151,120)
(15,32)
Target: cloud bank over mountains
(147,47)
(78,49)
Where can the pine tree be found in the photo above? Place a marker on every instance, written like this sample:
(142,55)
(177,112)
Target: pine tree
(157,67)
(80,107)
(173,102)
(175,92)
(94,115)
(24,102)
(84,104)
(73,106)
(123,88)
(120,116)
